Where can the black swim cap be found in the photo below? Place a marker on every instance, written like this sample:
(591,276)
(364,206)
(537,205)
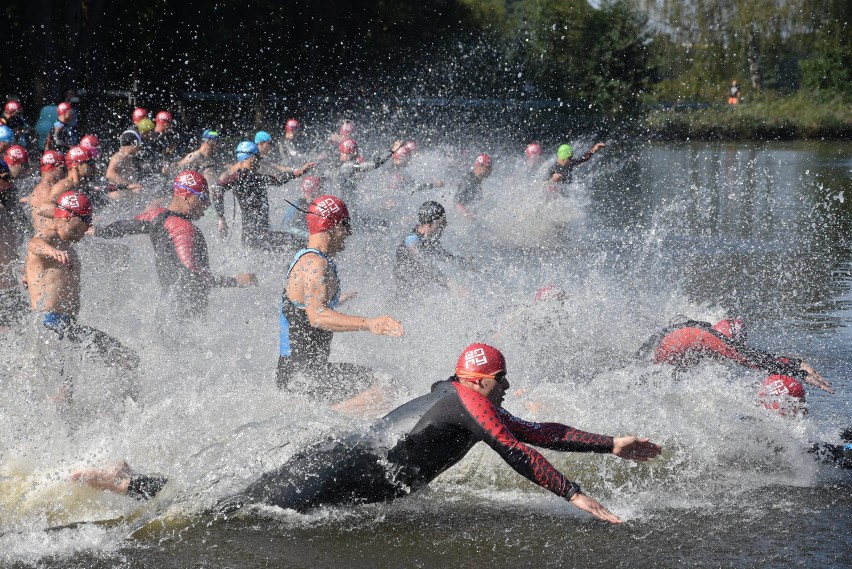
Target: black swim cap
(430,211)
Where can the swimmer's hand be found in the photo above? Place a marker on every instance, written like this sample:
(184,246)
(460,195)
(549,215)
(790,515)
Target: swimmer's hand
(59,255)
(385,326)
(135,188)
(222,227)
(815,379)
(633,448)
(347,296)
(397,144)
(246,279)
(597,147)
(594,507)
(304,168)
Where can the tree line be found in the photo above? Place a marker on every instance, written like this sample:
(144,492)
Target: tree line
(606,59)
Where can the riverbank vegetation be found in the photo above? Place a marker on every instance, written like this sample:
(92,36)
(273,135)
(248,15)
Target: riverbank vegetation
(663,65)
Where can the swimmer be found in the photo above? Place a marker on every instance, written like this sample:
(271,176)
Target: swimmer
(309,316)
(64,134)
(125,166)
(560,173)
(350,164)
(250,189)
(180,251)
(470,188)
(686,344)
(203,159)
(416,256)
(409,447)
(294,218)
(53,273)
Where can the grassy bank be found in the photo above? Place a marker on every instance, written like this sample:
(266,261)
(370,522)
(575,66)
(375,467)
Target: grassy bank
(797,117)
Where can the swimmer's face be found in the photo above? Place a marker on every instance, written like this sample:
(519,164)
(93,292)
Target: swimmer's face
(436,228)
(338,235)
(71,229)
(264,148)
(196,206)
(86,170)
(481,171)
(496,387)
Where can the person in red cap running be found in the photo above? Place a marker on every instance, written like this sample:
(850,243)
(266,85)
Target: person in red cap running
(138,115)
(53,278)
(309,316)
(686,344)
(52,169)
(16,161)
(63,135)
(163,148)
(410,446)
(349,165)
(470,188)
(292,147)
(180,250)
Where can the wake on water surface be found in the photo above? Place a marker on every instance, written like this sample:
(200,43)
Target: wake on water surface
(210,417)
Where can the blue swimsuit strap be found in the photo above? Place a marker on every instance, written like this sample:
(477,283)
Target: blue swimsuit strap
(301,253)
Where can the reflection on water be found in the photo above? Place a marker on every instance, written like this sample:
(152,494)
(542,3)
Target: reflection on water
(649,234)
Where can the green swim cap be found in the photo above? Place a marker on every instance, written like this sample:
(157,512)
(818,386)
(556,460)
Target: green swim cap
(565,152)
(145,125)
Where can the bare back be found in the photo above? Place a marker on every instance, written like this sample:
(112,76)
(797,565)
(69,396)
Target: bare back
(312,281)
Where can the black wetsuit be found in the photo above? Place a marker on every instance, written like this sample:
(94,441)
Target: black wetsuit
(343,176)
(305,349)
(180,253)
(249,187)
(411,446)
(469,189)
(565,170)
(415,268)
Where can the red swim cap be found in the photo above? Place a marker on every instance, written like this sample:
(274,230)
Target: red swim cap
(483,160)
(348,146)
(77,155)
(63,108)
(326,213)
(479,360)
(164,116)
(13,107)
(51,160)
(533,149)
(71,203)
(92,143)
(733,329)
(311,185)
(292,125)
(347,128)
(139,113)
(782,394)
(190,183)
(549,292)
(16,155)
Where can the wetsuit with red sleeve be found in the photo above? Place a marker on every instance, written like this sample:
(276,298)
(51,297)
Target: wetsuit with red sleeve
(686,344)
(180,253)
(411,446)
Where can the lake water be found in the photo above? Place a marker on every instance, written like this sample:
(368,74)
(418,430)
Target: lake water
(652,234)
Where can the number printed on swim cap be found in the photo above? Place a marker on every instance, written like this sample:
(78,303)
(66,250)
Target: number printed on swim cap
(71,201)
(328,206)
(475,357)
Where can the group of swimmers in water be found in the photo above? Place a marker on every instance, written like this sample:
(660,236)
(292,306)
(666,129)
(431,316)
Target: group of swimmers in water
(408,447)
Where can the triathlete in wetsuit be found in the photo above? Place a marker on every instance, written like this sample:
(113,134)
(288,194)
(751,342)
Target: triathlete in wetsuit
(415,268)
(342,177)
(685,344)
(470,188)
(560,173)
(249,187)
(413,444)
(14,119)
(179,247)
(308,315)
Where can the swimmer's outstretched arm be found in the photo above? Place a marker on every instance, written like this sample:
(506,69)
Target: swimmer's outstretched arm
(120,479)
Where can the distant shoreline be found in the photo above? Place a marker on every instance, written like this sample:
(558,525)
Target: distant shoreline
(796,118)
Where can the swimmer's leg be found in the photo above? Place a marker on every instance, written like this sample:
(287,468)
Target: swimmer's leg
(107,348)
(285,371)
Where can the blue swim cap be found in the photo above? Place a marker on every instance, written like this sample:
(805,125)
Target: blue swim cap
(210,134)
(246,149)
(6,134)
(262,136)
